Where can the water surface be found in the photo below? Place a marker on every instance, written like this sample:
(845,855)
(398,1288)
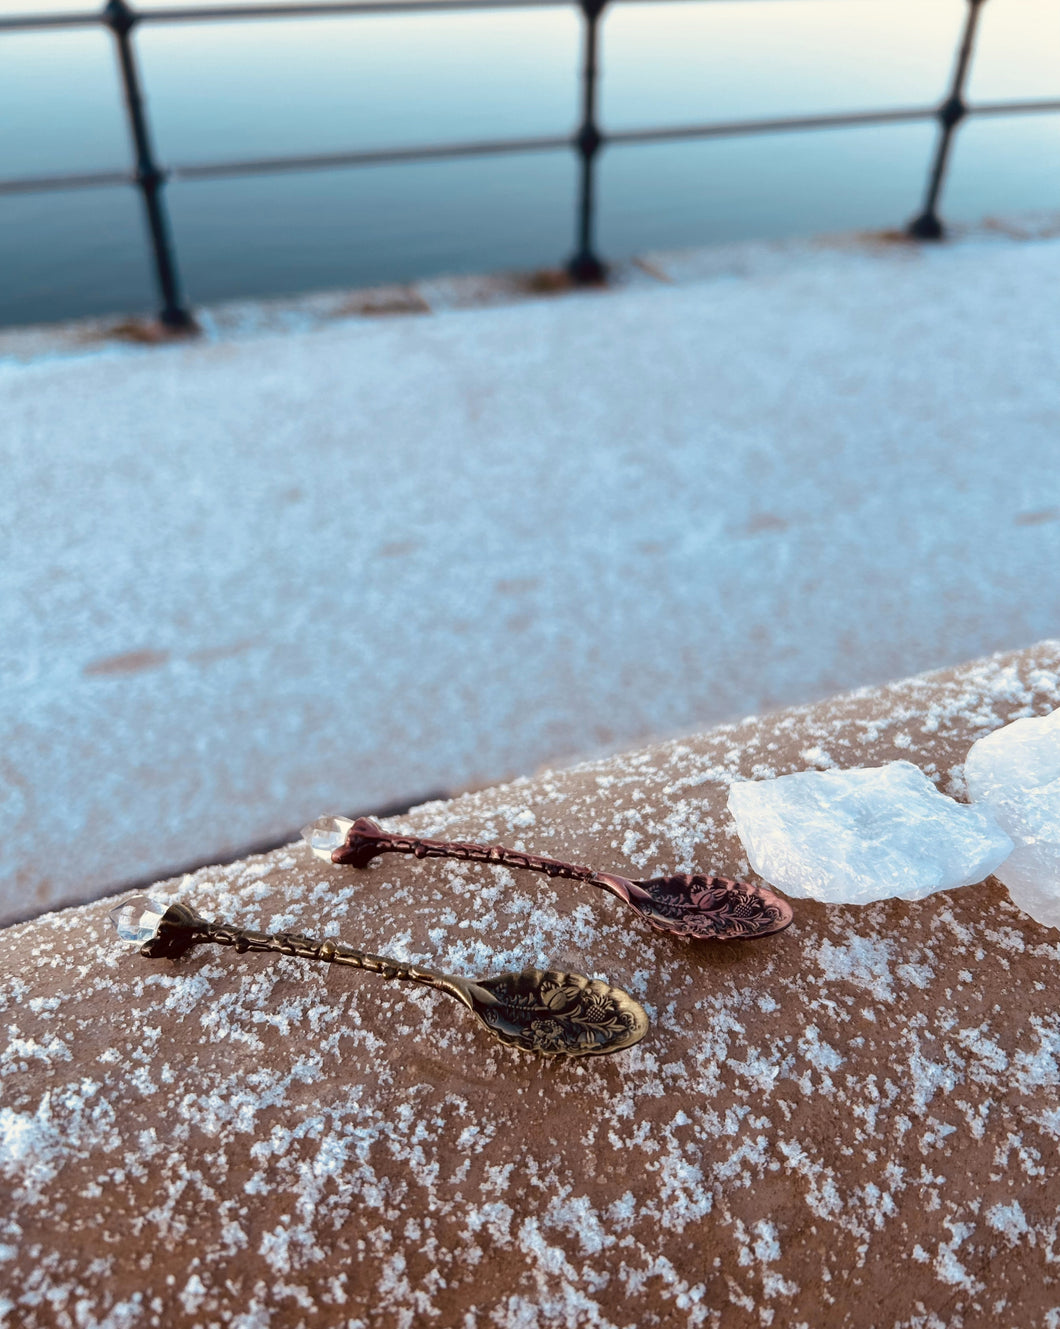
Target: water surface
(220,91)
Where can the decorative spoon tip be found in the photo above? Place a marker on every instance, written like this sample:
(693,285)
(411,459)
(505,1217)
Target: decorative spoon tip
(559,1014)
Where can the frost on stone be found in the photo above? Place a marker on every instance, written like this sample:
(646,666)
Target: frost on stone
(850,837)
(1015,773)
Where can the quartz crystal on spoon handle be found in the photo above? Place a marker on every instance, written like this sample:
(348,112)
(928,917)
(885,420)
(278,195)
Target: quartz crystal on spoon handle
(544,1011)
(684,905)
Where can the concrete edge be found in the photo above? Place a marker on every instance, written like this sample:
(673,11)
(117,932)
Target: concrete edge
(244,320)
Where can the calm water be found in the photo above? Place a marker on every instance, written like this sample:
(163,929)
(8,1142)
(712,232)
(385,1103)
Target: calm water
(220,91)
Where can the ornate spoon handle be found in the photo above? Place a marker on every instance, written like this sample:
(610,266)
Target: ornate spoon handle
(181,929)
(366,839)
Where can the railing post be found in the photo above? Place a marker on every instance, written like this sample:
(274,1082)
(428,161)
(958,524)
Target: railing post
(586,267)
(950,114)
(121,20)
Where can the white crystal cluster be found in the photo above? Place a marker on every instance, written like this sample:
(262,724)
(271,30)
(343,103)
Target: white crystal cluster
(1015,772)
(851,837)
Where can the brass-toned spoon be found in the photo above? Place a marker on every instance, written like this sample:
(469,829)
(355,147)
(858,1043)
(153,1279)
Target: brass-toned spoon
(537,1010)
(686,905)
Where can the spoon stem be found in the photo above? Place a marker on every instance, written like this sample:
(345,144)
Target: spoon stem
(181,929)
(366,840)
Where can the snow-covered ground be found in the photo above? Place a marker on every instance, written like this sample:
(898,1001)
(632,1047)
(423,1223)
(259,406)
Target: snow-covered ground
(320,561)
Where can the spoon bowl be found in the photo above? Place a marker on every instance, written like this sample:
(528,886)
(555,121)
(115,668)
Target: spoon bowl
(701,907)
(557,1014)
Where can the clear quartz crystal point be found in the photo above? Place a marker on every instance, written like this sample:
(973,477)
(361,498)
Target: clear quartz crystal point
(326,834)
(137,919)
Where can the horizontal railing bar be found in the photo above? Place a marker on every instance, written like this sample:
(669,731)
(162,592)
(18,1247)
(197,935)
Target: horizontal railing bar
(324,7)
(324,10)
(44,184)
(228,13)
(735,128)
(280,165)
(28,22)
(317,9)
(498,147)
(502,147)
(369,157)
(1013,108)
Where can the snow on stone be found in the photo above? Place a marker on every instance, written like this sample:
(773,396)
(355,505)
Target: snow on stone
(246,581)
(850,837)
(1015,773)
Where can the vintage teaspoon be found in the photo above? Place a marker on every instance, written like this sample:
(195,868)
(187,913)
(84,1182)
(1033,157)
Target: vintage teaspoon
(687,904)
(536,1010)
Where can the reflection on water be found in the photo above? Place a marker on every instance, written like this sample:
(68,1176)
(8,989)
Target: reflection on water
(228,90)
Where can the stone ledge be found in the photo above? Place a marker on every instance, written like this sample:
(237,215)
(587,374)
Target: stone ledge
(853,1123)
(240,320)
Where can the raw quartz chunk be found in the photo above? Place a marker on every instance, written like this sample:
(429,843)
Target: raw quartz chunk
(851,837)
(1015,773)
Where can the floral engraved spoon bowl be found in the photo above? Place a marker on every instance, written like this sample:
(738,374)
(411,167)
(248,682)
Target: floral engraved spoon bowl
(537,1010)
(685,905)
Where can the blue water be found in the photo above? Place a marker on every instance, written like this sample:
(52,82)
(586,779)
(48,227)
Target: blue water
(263,88)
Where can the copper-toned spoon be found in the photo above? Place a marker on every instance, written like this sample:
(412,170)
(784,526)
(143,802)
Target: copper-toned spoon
(536,1010)
(687,904)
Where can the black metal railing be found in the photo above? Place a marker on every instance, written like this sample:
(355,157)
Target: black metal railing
(585,266)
